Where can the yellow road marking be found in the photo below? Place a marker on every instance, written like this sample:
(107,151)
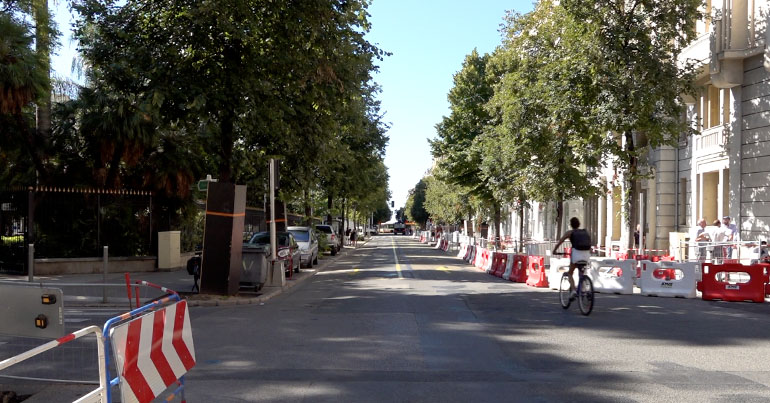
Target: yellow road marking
(444,268)
(355,270)
(395,255)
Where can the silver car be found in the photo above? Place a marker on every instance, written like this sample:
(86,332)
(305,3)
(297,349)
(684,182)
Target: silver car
(308,244)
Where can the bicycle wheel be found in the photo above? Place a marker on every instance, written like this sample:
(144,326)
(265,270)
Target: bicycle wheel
(586,297)
(564,291)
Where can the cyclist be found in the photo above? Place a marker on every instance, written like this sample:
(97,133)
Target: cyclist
(581,248)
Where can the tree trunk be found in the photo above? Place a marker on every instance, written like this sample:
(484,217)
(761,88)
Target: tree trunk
(497,226)
(521,228)
(112,174)
(43,48)
(308,209)
(226,148)
(344,225)
(632,191)
(559,214)
(329,206)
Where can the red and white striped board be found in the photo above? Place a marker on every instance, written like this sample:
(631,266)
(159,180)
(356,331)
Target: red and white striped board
(152,352)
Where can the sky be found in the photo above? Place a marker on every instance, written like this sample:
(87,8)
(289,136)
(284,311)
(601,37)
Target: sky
(428,40)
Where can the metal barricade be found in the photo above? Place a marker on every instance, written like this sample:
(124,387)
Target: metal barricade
(100,394)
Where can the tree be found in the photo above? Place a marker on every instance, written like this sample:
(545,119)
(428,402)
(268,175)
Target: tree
(445,202)
(415,203)
(632,49)
(24,80)
(537,146)
(271,78)
(456,151)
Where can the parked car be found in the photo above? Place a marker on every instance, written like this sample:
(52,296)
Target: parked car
(335,241)
(287,248)
(308,244)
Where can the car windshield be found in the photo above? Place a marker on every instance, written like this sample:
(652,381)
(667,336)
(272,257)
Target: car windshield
(301,236)
(324,228)
(263,238)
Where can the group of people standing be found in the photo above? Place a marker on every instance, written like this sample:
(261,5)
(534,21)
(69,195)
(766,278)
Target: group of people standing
(717,238)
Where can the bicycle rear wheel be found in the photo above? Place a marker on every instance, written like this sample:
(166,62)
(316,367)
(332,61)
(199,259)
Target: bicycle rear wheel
(586,297)
(564,291)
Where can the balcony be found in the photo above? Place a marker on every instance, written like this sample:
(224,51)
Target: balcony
(699,50)
(711,140)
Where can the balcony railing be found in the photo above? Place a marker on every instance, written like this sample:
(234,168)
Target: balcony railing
(711,140)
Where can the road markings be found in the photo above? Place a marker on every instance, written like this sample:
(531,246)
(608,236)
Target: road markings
(73,320)
(355,270)
(444,269)
(395,255)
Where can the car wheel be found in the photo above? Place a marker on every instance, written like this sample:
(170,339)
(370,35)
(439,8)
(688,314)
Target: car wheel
(299,264)
(315,259)
(334,251)
(310,263)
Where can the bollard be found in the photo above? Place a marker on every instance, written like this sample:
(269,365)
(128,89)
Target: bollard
(104,275)
(31,262)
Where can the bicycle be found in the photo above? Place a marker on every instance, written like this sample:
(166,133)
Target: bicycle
(584,291)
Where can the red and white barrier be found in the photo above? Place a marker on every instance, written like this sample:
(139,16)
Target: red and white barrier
(669,279)
(536,275)
(726,282)
(153,351)
(463,250)
(558,267)
(509,258)
(518,269)
(488,260)
(615,276)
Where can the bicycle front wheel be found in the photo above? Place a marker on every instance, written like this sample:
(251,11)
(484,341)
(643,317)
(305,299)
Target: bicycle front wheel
(586,297)
(564,291)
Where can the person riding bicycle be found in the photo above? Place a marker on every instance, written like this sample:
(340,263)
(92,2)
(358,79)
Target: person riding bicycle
(581,248)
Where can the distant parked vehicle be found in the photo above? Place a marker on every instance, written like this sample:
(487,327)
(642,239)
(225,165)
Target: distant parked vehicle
(287,248)
(335,241)
(308,244)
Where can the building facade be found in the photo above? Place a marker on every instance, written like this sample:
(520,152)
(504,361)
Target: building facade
(721,170)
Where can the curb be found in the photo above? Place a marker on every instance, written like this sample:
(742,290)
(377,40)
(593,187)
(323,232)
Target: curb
(269,292)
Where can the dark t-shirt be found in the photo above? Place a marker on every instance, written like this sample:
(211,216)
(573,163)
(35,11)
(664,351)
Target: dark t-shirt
(580,239)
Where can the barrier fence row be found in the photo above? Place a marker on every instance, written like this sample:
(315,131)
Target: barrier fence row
(653,275)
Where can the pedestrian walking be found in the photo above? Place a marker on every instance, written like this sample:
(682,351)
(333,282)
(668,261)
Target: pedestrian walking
(353,238)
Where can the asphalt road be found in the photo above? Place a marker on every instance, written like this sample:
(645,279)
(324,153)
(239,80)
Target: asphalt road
(399,321)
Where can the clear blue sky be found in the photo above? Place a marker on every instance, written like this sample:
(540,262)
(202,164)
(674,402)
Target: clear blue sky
(429,40)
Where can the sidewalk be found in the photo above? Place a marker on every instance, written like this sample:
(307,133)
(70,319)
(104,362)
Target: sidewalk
(85,290)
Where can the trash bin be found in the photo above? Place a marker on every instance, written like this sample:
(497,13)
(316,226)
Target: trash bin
(255,266)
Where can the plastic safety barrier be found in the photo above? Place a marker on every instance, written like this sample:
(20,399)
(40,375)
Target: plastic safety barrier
(615,276)
(482,255)
(668,279)
(519,269)
(508,265)
(498,264)
(558,267)
(471,254)
(536,275)
(725,282)
(488,260)
(462,251)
